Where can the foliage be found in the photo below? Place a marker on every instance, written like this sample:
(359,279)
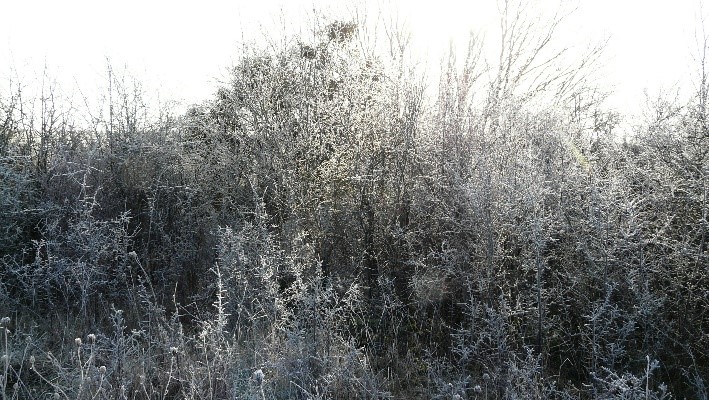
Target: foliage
(324,227)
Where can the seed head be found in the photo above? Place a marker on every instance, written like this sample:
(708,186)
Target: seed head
(5,321)
(102,370)
(477,389)
(173,350)
(486,377)
(77,341)
(92,338)
(32,361)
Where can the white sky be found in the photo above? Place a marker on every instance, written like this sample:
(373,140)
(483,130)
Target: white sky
(182,48)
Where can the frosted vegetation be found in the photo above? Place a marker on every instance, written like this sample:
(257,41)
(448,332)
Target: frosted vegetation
(332,224)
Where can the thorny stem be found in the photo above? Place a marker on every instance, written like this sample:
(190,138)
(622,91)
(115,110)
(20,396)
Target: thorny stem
(81,371)
(7,362)
(169,376)
(98,390)
(50,383)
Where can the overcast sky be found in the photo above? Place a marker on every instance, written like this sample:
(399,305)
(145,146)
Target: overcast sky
(182,48)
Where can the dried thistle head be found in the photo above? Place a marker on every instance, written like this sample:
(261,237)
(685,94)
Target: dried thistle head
(5,321)
(92,338)
(78,342)
(102,370)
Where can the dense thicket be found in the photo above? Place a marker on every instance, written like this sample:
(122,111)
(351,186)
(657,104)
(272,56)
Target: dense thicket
(321,228)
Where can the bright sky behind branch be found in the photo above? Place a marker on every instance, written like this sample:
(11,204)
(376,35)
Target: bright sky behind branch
(183,48)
